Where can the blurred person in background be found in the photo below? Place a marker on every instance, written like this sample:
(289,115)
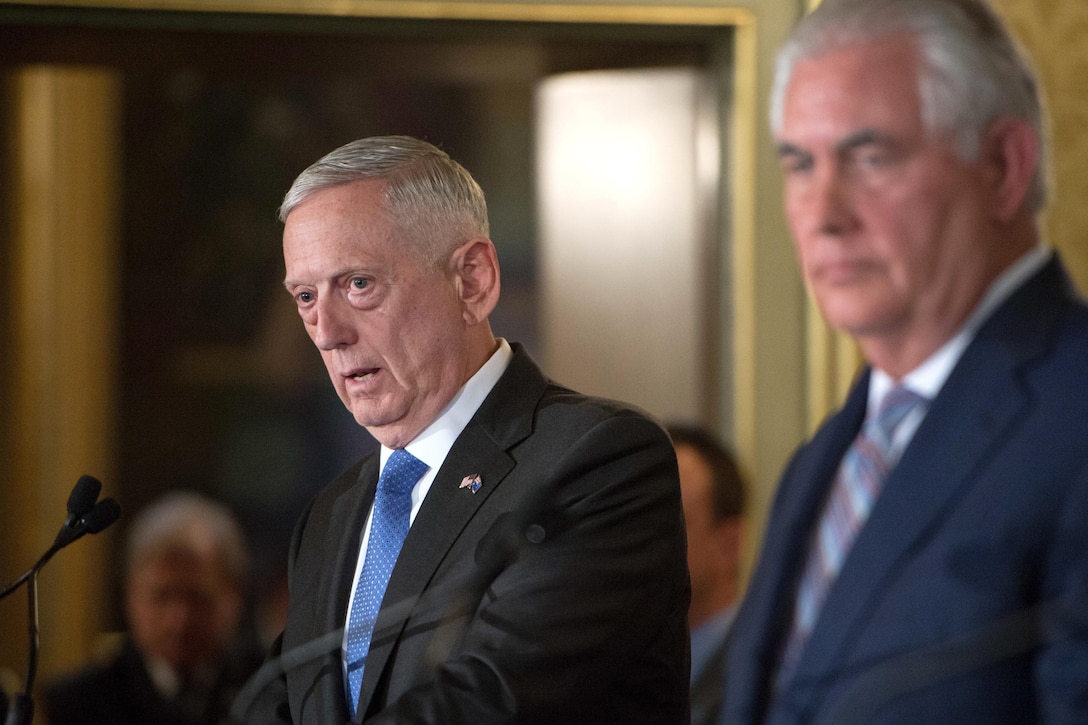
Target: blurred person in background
(714,497)
(184,656)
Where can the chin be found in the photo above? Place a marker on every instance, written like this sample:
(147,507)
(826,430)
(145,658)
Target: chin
(381,427)
(854,316)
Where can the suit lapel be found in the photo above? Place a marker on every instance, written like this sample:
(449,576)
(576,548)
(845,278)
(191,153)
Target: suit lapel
(979,404)
(767,608)
(345,527)
(352,510)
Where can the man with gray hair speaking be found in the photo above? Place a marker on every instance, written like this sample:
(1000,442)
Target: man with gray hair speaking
(515,552)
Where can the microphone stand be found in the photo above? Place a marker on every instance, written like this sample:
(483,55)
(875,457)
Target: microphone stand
(21,709)
(85,517)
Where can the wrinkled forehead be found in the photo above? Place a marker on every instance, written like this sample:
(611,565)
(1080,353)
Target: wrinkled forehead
(861,88)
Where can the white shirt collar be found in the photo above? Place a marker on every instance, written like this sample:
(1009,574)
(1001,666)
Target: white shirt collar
(928,378)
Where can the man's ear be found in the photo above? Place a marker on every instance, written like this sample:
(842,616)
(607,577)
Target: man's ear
(1012,148)
(476,269)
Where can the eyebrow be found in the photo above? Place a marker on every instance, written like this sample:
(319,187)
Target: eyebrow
(864,137)
(354,271)
(786,148)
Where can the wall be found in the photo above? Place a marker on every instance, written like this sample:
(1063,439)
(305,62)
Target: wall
(1055,32)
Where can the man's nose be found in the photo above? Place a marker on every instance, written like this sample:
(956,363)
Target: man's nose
(830,203)
(332,327)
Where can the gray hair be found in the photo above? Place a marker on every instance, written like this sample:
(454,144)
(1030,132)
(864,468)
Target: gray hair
(187,522)
(972,69)
(429,195)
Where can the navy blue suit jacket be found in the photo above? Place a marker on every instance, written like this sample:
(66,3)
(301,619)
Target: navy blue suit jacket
(556,593)
(965,597)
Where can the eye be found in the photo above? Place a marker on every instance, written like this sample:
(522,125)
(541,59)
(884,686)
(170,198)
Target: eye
(795,163)
(359,283)
(873,158)
(793,159)
(304,298)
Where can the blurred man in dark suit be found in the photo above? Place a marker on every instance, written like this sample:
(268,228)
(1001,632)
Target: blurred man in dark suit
(183,658)
(926,558)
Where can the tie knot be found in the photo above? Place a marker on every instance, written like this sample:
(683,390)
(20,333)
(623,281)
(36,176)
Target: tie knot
(895,407)
(401,472)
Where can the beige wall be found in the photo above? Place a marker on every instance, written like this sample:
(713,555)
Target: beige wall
(1056,34)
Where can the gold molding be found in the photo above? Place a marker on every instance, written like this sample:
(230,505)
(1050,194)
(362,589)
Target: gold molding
(439,10)
(743,281)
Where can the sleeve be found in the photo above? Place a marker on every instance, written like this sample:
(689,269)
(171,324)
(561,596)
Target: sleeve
(263,700)
(1061,668)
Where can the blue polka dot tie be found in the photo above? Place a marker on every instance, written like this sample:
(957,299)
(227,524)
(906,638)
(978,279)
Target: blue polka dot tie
(388,527)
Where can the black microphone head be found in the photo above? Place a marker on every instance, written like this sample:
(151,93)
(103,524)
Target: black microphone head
(83,497)
(104,513)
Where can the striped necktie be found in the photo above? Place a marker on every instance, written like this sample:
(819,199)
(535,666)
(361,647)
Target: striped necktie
(861,475)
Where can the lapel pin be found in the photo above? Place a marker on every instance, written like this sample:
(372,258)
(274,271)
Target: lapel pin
(472,483)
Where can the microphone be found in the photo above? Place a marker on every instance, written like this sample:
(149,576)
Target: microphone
(102,515)
(82,498)
(85,516)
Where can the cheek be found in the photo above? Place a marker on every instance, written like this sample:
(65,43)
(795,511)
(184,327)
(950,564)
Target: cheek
(804,256)
(795,212)
(142,620)
(330,367)
(901,241)
(435,328)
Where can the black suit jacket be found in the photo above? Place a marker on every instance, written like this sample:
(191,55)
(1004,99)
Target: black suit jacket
(965,596)
(557,593)
(120,692)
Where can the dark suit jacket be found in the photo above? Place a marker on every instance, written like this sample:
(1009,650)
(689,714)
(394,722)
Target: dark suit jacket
(581,621)
(119,692)
(960,600)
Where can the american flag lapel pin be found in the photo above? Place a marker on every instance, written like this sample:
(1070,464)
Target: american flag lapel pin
(472,482)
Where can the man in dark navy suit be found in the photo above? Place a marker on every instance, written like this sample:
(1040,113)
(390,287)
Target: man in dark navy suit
(926,558)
